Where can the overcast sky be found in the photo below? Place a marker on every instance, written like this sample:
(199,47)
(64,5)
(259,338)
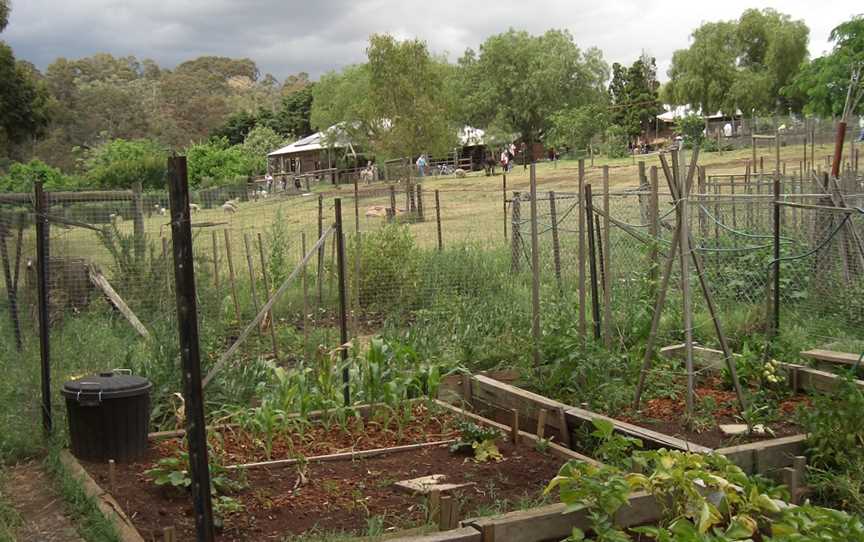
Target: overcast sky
(288,36)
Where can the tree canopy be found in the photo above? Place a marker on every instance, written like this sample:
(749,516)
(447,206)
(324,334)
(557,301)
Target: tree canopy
(23,97)
(823,83)
(634,95)
(518,81)
(739,64)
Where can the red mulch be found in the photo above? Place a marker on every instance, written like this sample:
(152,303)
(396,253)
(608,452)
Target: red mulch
(338,495)
(666,416)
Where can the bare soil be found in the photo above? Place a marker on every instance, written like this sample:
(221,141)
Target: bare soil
(667,416)
(336,496)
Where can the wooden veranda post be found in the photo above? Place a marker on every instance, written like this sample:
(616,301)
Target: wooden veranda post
(187,322)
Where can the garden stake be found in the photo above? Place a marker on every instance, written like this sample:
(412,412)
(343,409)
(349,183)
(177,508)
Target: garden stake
(231,276)
(11,285)
(595,296)
(564,429)
(605,260)
(267,295)
(541,423)
(356,207)
(683,191)
(776,263)
(343,324)
(305,298)
(556,248)
(321,253)
(112,476)
(215,260)
(252,291)
(581,248)
(438,220)
(515,235)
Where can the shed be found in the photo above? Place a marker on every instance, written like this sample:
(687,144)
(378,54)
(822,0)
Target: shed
(311,153)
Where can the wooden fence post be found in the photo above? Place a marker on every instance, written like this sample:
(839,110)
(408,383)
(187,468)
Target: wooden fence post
(392,202)
(419,189)
(535,269)
(504,202)
(42,271)
(187,315)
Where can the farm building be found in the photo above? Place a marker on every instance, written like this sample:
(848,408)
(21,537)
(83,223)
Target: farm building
(665,127)
(311,153)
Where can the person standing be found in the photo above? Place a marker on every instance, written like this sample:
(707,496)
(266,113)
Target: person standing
(421,165)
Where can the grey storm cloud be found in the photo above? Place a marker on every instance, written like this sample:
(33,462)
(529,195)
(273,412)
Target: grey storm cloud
(316,36)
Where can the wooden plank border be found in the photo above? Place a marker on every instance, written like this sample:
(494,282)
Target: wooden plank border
(803,378)
(109,507)
(496,400)
(113,512)
(552,522)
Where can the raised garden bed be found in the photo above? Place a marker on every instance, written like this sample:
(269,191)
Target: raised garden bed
(335,479)
(495,396)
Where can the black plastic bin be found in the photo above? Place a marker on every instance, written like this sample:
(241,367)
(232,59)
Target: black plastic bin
(109,416)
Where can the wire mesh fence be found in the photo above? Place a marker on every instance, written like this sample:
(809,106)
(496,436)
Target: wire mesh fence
(447,268)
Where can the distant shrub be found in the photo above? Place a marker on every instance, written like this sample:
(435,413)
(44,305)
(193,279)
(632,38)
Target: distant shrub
(21,177)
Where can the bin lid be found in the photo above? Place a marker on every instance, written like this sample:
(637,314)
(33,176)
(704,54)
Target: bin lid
(107,385)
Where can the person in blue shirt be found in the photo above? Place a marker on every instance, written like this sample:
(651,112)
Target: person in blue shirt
(421,165)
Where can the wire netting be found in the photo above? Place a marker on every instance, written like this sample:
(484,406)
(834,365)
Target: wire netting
(444,266)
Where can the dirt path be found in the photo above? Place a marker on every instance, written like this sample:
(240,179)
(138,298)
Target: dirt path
(44,519)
